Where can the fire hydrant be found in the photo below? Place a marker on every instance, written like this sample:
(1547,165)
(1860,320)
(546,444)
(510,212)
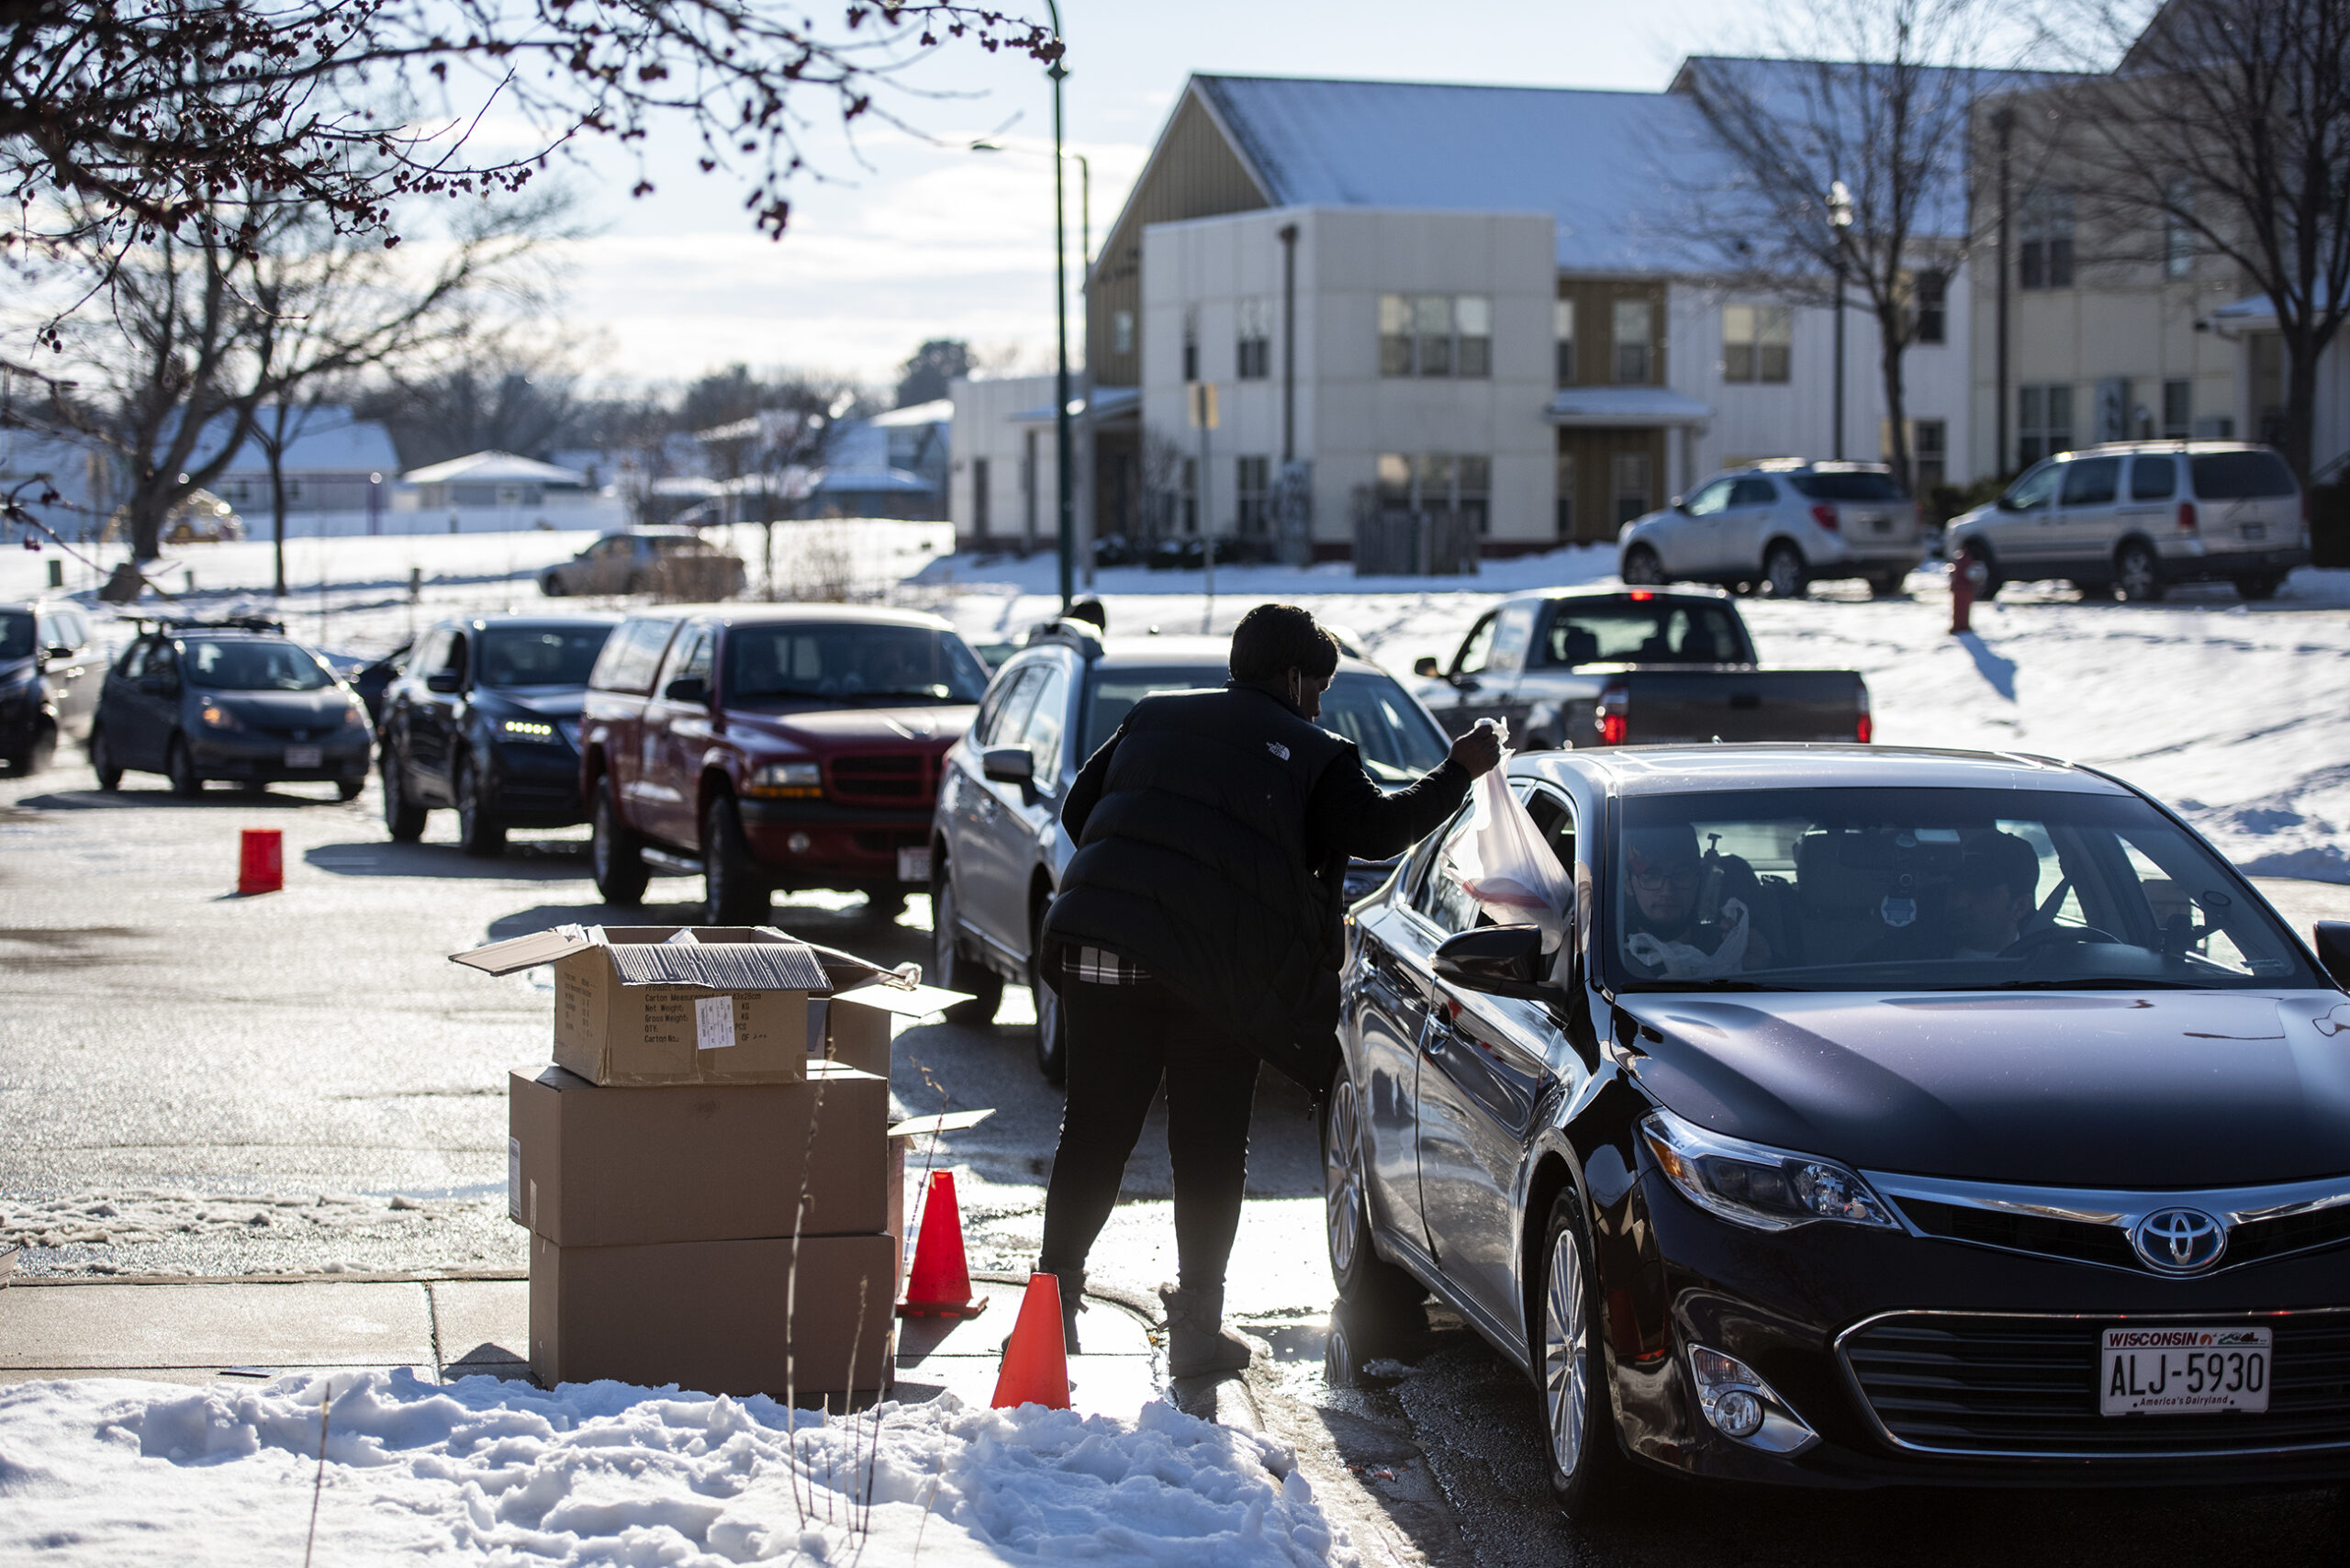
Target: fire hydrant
(1967,575)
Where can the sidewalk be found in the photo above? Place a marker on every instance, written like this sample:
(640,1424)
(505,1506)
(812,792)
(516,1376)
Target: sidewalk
(447,1327)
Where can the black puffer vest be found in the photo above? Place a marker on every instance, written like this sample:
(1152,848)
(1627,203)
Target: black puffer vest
(1194,864)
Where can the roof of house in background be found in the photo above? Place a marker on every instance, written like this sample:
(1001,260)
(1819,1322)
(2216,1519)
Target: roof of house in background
(324,440)
(937,412)
(493,468)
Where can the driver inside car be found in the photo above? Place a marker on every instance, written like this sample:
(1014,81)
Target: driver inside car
(1677,925)
(1991,899)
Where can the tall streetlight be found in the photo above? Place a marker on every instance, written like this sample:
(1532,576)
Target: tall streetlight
(1839,222)
(1061,432)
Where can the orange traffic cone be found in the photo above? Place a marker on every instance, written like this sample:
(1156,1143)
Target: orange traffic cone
(940,1284)
(1036,1359)
(260,861)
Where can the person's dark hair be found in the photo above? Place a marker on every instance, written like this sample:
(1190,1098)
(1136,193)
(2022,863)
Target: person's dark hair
(1273,638)
(1090,609)
(2001,859)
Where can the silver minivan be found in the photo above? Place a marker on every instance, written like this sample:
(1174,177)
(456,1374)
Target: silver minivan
(2130,518)
(1780,525)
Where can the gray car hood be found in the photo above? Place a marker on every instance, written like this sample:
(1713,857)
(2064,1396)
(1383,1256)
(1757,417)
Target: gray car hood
(2156,1090)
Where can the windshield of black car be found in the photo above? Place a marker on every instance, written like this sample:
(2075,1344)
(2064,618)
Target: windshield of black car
(1396,739)
(546,656)
(16,635)
(847,663)
(1847,487)
(2240,476)
(1929,889)
(252,664)
(1656,632)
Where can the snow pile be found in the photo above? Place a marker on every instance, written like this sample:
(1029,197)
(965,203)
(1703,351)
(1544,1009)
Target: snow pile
(111,1472)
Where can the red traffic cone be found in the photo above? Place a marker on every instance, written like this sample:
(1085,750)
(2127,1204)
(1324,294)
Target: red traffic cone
(940,1284)
(1036,1359)
(260,861)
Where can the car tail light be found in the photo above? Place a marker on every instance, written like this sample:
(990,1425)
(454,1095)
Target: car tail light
(2187,517)
(1824,515)
(1615,712)
(1642,596)
(1867,727)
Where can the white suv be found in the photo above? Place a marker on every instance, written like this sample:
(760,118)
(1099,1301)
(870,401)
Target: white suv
(1780,526)
(2130,517)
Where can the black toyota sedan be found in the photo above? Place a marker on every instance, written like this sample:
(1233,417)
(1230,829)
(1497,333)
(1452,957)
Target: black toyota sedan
(1883,1117)
(484,717)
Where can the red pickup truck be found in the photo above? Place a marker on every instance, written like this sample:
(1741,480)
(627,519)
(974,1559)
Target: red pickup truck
(771,746)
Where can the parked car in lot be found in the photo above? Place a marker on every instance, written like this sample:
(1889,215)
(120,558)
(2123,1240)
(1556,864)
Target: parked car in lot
(2131,517)
(672,563)
(1888,1117)
(236,699)
(51,670)
(1780,525)
(997,850)
(774,747)
(485,718)
(1621,666)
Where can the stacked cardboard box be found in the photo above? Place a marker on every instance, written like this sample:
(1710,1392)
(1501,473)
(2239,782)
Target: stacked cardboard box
(705,1173)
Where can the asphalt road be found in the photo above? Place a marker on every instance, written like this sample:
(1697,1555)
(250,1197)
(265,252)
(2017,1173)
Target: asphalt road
(196,1082)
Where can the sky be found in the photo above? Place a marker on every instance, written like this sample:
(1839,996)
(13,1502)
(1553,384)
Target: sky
(903,236)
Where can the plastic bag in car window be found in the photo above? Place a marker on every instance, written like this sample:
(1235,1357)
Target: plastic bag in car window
(1498,857)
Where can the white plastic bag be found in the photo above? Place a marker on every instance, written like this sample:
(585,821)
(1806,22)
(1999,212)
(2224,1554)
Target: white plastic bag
(1680,960)
(1499,859)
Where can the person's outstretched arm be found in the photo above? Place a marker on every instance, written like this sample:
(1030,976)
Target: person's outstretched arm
(1352,815)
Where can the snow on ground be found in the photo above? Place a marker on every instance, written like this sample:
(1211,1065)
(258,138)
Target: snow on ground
(106,1472)
(148,1231)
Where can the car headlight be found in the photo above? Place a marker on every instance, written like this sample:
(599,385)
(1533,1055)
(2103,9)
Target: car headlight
(526,728)
(1755,1185)
(353,716)
(218,718)
(787,780)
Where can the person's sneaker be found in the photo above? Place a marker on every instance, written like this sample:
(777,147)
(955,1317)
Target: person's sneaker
(1197,1341)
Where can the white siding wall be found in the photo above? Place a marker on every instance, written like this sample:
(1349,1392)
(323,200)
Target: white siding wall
(984,429)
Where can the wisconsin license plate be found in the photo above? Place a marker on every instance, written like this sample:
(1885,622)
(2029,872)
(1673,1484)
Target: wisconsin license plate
(1880,525)
(304,756)
(2255,531)
(913,865)
(2182,1372)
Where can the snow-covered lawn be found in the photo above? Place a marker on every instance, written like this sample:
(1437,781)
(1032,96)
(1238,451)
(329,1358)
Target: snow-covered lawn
(113,1472)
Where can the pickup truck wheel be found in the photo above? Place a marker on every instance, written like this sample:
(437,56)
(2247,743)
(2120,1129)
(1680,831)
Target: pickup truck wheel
(731,892)
(949,969)
(1782,571)
(1887,585)
(2261,587)
(179,767)
(102,761)
(551,585)
(1375,1294)
(615,855)
(1642,566)
(2137,575)
(479,832)
(403,818)
(1052,1019)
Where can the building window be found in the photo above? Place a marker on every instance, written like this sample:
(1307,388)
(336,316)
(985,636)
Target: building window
(2043,421)
(1933,306)
(1755,341)
(1436,482)
(1631,474)
(1192,344)
(1635,324)
(1562,331)
(2178,232)
(2178,409)
(1436,334)
(1566,520)
(1253,347)
(1251,477)
(1122,331)
(2045,258)
(979,498)
(1929,450)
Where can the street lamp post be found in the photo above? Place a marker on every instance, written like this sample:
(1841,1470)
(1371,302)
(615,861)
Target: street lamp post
(1839,222)
(1063,438)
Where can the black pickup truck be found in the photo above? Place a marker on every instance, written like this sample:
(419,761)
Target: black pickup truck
(1578,668)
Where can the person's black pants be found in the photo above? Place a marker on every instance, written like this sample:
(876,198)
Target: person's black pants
(1122,1040)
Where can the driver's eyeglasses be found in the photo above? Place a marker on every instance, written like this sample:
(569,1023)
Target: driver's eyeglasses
(1657,882)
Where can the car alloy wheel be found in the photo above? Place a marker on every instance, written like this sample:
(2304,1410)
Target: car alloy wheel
(1380,1298)
(2137,576)
(949,969)
(1578,1429)
(732,891)
(403,818)
(1782,571)
(614,855)
(102,761)
(479,832)
(179,767)
(1642,566)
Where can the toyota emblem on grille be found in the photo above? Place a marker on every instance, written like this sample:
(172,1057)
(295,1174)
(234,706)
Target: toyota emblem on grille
(2179,1241)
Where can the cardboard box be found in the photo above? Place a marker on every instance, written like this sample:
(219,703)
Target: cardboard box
(711,1316)
(592,1166)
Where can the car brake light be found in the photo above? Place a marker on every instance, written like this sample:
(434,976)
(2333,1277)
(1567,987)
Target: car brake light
(1642,596)
(1614,717)
(1867,727)
(2187,517)
(1824,515)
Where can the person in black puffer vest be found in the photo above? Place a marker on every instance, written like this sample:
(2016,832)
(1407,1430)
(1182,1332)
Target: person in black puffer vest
(1198,931)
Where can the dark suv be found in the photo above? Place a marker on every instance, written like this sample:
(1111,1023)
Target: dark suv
(50,673)
(485,718)
(237,701)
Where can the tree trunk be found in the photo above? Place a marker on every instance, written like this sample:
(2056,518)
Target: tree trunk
(150,499)
(1897,403)
(2301,352)
(277,517)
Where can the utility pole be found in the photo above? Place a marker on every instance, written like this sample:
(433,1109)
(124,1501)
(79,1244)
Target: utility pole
(1840,223)
(1063,436)
(2003,121)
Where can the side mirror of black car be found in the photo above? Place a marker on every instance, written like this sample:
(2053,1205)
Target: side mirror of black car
(1008,764)
(1501,961)
(2334,949)
(1427,667)
(686,688)
(61,651)
(444,681)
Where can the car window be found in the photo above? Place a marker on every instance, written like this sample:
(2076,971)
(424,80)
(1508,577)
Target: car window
(2036,488)
(1846,485)
(2153,478)
(2091,481)
(453,662)
(1391,733)
(134,661)
(1556,819)
(848,661)
(1753,493)
(1710,498)
(163,659)
(1114,693)
(1476,648)
(45,637)
(78,628)
(1513,629)
(686,643)
(632,656)
(2240,476)
(552,656)
(1047,717)
(1440,896)
(252,664)
(1632,631)
(1011,717)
